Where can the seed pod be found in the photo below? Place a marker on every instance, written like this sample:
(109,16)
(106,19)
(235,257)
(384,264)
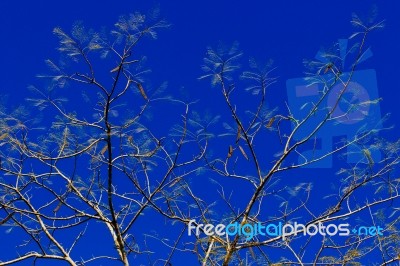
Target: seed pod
(238,134)
(270,122)
(104,149)
(58,207)
(243,152)
(230,151)
(368,155)
(3,136)
(140,87)
(115,69)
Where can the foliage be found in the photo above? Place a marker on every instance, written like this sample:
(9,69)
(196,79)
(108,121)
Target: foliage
(103,165)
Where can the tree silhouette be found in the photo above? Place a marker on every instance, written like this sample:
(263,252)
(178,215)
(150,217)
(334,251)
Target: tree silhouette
(103,165)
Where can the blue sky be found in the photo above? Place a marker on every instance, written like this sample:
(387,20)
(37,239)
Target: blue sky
(285,31)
